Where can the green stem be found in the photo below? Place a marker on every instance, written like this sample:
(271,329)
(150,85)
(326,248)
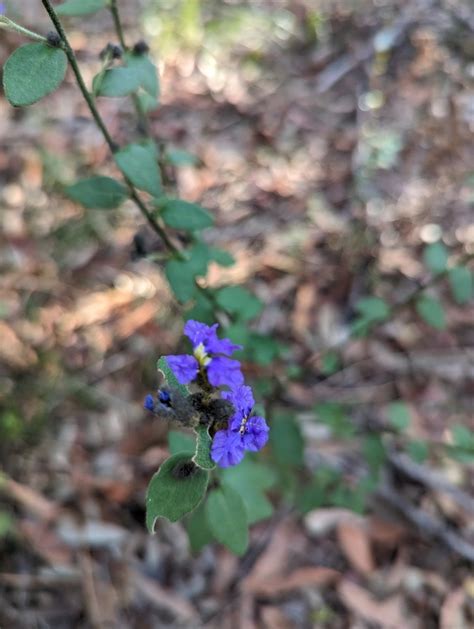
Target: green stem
(13,26)
(158,229)
(118,23)
(143,124)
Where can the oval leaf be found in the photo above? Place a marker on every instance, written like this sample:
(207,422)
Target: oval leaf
(436,257)
(227,519)
(116,82)
(202,457)
(183,215)
(33,71)
(431,311)
(80,7)
(175,490)
(139,164)
(98,192)
(181,279)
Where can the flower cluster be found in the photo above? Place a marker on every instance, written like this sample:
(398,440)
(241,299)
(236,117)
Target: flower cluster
(244,431)
(210,354)
(211,363)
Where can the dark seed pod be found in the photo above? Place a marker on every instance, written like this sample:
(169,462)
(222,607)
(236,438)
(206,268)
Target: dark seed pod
(184,469)
(53,39)
(141,48)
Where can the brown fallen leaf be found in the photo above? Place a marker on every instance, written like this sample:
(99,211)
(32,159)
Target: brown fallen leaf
(271,563)
(152,591)
(319,576)
(45,543)
(451,613)
(387,613)
(355,544)
(13,351)
(385,532)
(30,500)
(273,618)
(322,521)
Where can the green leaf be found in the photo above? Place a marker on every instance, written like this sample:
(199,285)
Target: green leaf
(115,82)
(33,71)
(184,215)
(198,529)
(435,257)
(431,311)
(179,157)
(463,437)
(373,308)
(399,415)
(139,164)
(73,8)
(334,415)
(198,259)
(227,518)
(202,456)
(181,279)
(222,257)
(249,480)
(263,349)
(318,492)
(239,301)
(175,490)
(202,310)
(179,442)
(286,441)
(98,192)
(330,363)
(170,378)
(374,452)
(145,71)
(418,450)
(461,283)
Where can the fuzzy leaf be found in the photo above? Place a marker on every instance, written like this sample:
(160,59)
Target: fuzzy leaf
(184,215)
(175,490)
(170,378)
(198,529)
(73,8)
(98,192)
(436,257)
(202,456)
(431,311)
(139,164)
(33,71)
(227,518)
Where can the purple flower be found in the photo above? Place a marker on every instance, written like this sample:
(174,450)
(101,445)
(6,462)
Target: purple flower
(3,8)
(210,353)
(244,432)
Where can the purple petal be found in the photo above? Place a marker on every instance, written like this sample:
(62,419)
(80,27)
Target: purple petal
(227,448)
(184,367)
(149,403)
(256,434)
(215,345)
(224,371)
(241,398)
(199,332)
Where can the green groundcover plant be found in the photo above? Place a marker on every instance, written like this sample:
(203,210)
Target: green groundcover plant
(214,478)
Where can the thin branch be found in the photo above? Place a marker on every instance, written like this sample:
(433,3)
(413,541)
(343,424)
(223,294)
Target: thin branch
(113,146)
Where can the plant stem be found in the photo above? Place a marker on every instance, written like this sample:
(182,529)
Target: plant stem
(118,24)
(13,26)
(143,124)
(113,146)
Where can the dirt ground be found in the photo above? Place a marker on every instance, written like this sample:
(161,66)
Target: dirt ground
(333,143)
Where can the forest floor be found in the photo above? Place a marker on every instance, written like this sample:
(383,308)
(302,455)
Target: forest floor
(332,147)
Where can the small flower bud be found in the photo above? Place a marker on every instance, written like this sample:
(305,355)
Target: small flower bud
(112,51)
(53,39)
(141,48)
